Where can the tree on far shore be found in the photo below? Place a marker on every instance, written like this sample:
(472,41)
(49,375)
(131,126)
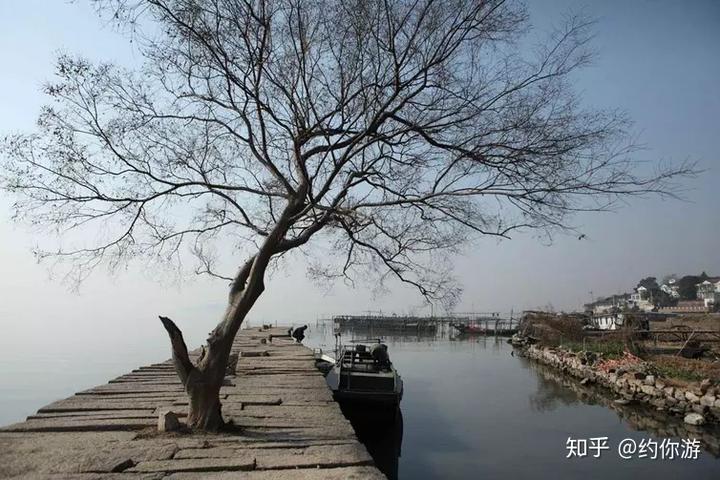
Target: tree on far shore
(687,285)
(393,132)
(649,283)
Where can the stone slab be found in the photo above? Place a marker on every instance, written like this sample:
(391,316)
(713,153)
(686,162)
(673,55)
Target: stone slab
(72,405)
(91,476)
(347,473)
(115,388)
(245,462)
(148,413)
(63,455)
(80,424)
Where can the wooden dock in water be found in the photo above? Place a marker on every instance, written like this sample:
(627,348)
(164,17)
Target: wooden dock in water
(377,323)
(290,427)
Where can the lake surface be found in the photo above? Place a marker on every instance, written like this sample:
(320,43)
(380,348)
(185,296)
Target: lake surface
(473,410)
(470,409)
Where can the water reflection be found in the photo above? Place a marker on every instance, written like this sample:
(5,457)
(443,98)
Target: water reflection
(555,389)
(471,409)
(399,336)
(550,394)
(381,433)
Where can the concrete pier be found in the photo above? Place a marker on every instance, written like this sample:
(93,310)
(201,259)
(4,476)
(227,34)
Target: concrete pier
(289,426)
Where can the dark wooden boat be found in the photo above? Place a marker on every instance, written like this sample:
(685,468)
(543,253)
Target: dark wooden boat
(465,329)
(474,329)
(361,375)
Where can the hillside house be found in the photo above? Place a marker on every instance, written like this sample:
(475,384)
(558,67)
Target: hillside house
(709,292)
(671,288)
(641,299)
(614,303)
(607,321)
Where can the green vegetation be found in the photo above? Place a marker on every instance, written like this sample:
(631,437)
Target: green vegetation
(687,369)
(678,372)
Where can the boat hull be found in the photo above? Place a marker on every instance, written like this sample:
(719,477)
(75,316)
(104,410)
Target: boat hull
(368,398)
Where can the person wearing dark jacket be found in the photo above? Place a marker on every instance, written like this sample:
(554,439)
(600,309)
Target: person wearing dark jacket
(299,333)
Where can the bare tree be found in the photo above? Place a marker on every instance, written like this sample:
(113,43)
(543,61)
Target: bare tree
(398,128)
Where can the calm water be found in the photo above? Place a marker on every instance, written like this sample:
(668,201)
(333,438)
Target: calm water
(31,377)
(472,410)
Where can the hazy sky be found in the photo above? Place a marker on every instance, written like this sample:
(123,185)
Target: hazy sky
(658,60)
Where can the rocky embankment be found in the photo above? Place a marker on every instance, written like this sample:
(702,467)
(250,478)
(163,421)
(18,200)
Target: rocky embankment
(635,382)
(638,417)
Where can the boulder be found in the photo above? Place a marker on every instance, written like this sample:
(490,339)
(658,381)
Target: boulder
(715,412)
(168,421)
(707,400)
(650,380)
(649,390)
(658,403)
(691,397)
(704,385)
(694,419)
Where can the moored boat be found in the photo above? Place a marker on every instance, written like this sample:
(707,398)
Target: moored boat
(364,374)
(469,329)
(474,329)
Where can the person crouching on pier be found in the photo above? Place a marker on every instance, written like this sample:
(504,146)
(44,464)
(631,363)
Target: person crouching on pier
(299,333)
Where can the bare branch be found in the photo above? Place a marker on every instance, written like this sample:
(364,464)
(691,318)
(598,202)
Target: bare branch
(401,127)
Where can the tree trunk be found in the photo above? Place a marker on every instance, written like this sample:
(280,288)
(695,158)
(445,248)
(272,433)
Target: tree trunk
(204,407)
(203,381)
